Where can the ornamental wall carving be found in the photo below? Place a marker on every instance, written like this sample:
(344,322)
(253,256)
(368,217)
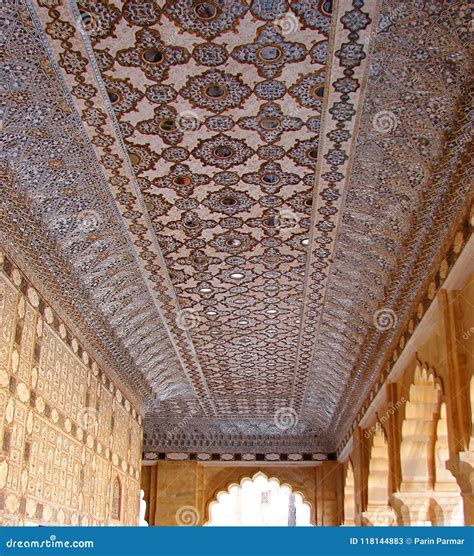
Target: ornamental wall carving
(67,431)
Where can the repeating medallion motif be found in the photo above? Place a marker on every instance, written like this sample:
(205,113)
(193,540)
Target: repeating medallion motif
(225,153)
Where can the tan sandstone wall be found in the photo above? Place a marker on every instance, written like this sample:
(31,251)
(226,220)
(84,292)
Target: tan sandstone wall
(179,493)
(67,431)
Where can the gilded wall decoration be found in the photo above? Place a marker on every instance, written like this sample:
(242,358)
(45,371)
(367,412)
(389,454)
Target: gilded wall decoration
(68,433)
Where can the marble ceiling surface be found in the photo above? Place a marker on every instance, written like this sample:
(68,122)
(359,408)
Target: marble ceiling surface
(233,198)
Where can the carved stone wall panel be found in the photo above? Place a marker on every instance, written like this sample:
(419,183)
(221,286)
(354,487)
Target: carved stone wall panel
(61,446)
(233,189)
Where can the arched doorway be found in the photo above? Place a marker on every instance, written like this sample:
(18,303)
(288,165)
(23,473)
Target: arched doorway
(349,496)
(379,512)
(429,494)
(447,494)
(259,501)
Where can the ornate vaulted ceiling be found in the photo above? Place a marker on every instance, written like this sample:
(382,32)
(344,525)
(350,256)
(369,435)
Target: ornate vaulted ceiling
(236,203)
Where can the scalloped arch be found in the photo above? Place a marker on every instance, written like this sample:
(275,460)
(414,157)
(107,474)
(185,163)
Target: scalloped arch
(251,478)
(421,408)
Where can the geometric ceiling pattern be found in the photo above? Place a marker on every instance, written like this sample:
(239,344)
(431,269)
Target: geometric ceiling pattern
(237,197)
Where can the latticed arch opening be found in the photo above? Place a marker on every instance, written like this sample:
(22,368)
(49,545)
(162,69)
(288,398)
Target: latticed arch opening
(378,470)
(450,505)
(443,477)
(429,493)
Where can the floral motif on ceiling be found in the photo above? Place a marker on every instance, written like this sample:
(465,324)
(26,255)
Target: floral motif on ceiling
(227,138)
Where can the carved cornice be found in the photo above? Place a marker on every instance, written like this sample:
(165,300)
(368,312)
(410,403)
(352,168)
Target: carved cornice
(409,189)
(426,295)
(49,273)
(444,211)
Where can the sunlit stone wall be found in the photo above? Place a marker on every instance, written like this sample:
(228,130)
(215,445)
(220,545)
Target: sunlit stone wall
(181,492)
(71,440)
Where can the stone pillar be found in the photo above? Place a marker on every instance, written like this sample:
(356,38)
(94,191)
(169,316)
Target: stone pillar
(457,384)
(394,436)
(462,467)
(468,501)
(459,397)
(176,494)
(328,493)
(360,475)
